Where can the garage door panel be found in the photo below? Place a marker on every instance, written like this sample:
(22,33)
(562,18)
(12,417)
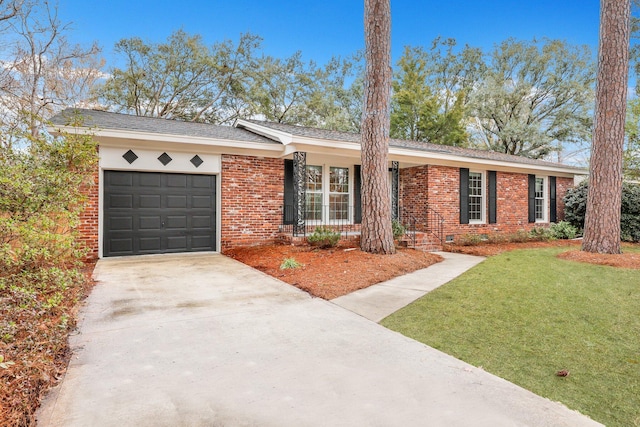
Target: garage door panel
(116,201)
(149,179)
(148,213)
(176,222)
(121,223)
(152,243)
(175,201)
(202,242)
(177,242)
(202,201)
(201,222)
(176,180)
(150,222)
(150,201)
(120,180)
(202,181)
(121,246)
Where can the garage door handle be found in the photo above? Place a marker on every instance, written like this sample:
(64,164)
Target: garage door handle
(162,224)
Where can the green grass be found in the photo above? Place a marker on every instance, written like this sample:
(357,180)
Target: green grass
(524,315)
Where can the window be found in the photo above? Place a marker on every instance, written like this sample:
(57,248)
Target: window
(539,204)
(338,193)
(476,197)
(327,194)
(313,194)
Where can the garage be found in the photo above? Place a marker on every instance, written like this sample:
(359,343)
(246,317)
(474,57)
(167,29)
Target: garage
(155,213)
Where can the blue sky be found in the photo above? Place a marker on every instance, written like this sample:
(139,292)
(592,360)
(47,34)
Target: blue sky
(321,29)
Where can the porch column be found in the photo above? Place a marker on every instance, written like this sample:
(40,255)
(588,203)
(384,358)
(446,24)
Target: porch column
(299,200)
(395,181)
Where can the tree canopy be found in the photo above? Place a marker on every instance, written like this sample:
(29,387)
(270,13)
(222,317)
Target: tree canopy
(534,97)
(44,72)
(182,78)
(527,98)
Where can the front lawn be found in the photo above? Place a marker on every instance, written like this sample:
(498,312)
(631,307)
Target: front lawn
(525,315)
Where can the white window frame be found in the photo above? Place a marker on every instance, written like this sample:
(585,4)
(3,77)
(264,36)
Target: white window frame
(326,192)
(321,192)
(544,199)
(483,197)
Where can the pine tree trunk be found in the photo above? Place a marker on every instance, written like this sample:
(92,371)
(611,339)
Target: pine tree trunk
(602,222)
(377,235)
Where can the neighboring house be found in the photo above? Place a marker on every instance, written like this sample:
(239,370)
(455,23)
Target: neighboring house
(171,186)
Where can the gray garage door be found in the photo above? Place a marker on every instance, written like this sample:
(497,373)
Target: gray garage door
(153,213)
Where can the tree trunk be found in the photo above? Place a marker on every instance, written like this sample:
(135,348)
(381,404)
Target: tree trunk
(377,235)
(602,222)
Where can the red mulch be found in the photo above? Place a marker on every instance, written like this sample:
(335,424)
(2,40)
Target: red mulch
(330,273)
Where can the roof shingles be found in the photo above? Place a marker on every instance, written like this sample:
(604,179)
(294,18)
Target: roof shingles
(115,121)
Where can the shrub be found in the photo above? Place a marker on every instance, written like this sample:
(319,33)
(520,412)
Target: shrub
(576,207)
(540,234)
(289,263)
(324,237)
(398,229)
(470,240)
(563,230)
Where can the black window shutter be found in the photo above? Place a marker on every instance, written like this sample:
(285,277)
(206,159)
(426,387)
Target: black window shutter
(493,197)
(532,198)
(553,203)
(357,197)
(464,196)
(287,212)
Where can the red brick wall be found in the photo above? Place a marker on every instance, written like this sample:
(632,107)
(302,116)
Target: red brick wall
(252,198)
(89,227)
(439,187)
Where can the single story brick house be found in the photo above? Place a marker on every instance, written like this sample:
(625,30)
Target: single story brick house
(165,186)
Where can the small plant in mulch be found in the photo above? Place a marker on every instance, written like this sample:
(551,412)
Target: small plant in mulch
(398,229)
(289,263)
(323,237)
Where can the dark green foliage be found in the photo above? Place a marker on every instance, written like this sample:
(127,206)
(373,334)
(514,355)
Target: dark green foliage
(630,219)
(324,237)
(398,229)
(563,230)
(576,207)
(40,204)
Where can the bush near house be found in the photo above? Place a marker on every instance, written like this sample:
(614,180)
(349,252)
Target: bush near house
(576,207)
(323,237)
(41,269)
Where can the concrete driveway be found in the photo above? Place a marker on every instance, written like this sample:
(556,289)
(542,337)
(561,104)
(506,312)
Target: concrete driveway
(202,340)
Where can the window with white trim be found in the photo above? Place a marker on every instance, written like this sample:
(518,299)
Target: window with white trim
(476,197)
(540,200)
(338,193)
(313,193)
(328,194)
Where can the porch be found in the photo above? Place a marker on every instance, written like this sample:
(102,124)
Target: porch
(423,232)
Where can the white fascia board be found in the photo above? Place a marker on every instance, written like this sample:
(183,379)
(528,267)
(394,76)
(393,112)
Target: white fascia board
(277,135)
(441,159)
(417,157)
(125,137)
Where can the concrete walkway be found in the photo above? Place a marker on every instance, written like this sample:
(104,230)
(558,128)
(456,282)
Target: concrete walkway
(203,340)
(379,301)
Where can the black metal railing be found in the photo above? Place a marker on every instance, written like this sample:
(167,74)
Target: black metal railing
(339,219)
(429,221)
